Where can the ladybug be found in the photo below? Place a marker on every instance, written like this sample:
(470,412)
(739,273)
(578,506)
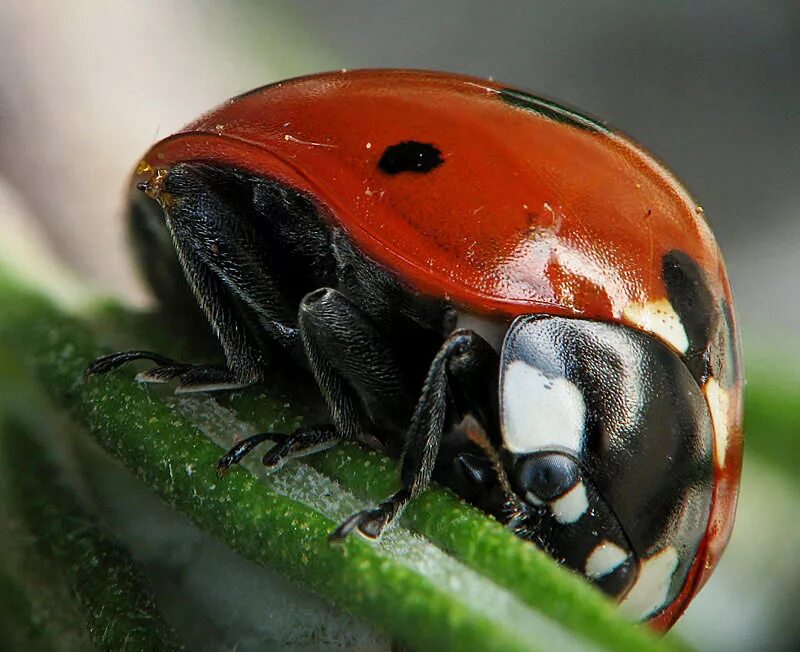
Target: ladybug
(503,292)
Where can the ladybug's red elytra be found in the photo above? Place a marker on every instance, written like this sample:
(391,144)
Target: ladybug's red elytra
(509,295)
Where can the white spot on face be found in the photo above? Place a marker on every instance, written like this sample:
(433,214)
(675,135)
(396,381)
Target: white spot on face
(571,506)
(659,318)
(650,591)
(604,559)
(540,412)
(718,404)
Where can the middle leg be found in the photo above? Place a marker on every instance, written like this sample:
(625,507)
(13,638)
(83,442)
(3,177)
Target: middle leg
(362,382)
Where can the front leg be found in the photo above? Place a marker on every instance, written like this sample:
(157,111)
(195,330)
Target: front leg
(454,375)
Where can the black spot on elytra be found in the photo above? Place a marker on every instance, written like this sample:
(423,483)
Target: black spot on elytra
(552,111)
(410,156)
(691,297)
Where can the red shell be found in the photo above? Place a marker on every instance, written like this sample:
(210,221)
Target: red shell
(527,214)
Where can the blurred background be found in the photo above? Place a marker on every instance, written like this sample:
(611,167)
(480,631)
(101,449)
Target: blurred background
(712,88)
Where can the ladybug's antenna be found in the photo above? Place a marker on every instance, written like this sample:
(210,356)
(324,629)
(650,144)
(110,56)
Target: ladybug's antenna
(477,435)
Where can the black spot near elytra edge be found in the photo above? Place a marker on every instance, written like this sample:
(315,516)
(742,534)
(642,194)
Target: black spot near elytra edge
(410,156)
(691,297)
(552,111)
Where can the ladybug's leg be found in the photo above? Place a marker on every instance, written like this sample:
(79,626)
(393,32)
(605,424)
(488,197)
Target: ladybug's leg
(356,371)
(236,328)
(243,351)
(455,371)
(191,378)
(303,441)
(226,259)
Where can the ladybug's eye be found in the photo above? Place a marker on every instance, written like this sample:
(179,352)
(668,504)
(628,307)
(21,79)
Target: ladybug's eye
(410,156)
(547,477)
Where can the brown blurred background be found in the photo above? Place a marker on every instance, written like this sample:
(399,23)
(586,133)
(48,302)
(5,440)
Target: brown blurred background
(712,88)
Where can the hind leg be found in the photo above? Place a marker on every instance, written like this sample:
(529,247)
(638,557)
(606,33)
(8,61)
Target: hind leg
(215,219)
(190,377)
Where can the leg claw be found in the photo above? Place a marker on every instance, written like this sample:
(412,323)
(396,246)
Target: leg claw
(369,523)
(235,454)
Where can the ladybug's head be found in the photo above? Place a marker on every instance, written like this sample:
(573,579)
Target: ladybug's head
(607,448)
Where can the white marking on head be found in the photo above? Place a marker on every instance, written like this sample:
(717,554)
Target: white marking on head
(571,506)
(650,590)
(540,412)
(660,319)
(718,405)
(604,559)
